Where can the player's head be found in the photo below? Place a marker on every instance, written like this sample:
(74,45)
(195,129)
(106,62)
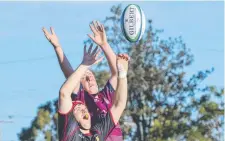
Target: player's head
(89,83)
(82,115)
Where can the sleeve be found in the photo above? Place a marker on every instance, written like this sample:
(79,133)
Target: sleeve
(108,91)
(67,126)
(106,125)
(62,118)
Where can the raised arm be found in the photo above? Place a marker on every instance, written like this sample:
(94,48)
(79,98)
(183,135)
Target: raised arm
(62,59)
(120,97)
(100,38)
(90,57)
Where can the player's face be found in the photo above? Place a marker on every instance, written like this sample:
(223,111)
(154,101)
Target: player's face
(82,116)
(89,83)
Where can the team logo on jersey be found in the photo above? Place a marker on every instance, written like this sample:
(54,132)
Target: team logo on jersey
(81,136)
(97,138)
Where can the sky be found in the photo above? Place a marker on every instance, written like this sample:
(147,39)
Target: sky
(30,74)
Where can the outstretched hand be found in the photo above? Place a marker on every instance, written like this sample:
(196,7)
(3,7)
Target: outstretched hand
(99,36)
(122,65)
(51,37)
(91,57)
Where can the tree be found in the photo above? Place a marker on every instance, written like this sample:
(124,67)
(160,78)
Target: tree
(43,124)
(163,104)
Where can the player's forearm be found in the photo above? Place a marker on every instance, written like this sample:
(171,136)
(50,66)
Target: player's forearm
(120,97)
(63,62)
(111,58)
(73,80)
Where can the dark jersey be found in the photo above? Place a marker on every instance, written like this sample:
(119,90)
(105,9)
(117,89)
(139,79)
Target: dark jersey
(68,129)
(98,106)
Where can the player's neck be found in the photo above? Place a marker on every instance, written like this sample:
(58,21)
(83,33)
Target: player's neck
(85,131)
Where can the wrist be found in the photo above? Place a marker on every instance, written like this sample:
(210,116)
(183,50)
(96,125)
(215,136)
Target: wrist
(57,46)
(83,65)
(104,45)
(122,74)
(121,78)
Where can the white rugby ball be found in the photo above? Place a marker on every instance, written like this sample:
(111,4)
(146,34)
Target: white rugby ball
(133,23)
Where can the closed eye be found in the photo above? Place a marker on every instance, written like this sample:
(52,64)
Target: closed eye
(77,109)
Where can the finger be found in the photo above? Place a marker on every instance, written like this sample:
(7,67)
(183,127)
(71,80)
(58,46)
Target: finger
(95,25)
(97,54)
(52,30)
(93,29)
(120,55)
(47,37)
(103,28)
(99,60)
(90,48)
(127,57)
(123,56)
(85,50)
(45,31)
(98,26)
(94,51)
(92,37)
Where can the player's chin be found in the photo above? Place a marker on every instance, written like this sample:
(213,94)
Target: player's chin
(93,90)
(86,125)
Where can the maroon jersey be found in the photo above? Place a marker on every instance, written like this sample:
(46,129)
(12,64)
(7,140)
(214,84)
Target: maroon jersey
(98,105)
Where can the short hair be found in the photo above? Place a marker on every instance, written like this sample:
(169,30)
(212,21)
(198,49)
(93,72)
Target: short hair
(90,71)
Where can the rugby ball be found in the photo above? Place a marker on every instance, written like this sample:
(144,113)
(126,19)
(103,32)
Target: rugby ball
(133,23)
